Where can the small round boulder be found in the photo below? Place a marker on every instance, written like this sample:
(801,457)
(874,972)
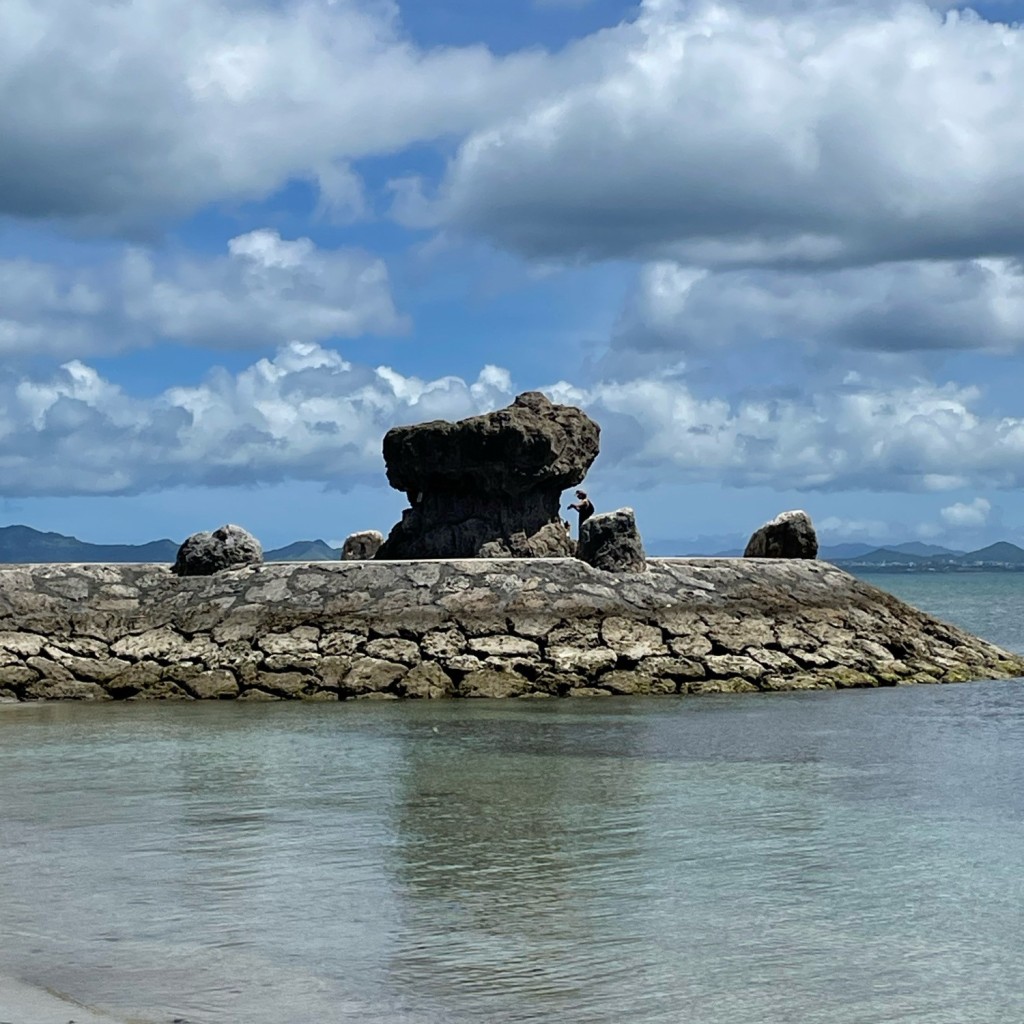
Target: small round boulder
(789,535)
(205,553)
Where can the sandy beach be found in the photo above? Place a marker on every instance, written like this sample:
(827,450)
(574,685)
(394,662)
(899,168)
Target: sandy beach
(26,1004)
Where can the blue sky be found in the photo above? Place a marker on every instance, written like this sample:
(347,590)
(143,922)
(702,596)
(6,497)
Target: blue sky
(772,246)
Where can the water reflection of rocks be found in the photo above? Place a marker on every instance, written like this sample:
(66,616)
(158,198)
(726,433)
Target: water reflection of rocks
(506,843)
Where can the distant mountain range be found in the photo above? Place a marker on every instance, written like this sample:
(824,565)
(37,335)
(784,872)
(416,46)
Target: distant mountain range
(23,544)
(907,557)
(914,555)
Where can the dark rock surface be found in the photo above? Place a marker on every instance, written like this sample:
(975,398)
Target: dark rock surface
(788,535)
(611,541)
(206,553)
(491,485)
(362,545)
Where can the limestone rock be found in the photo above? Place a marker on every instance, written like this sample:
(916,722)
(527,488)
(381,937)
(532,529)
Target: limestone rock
(620,682)
(588,662)
(788,535)
(402,652)
(427,680)
(491,683)
(611,541)
(491,485)
(633,640)
(205,553)
(503,647)
(361,546)
(726,665)
(209,684)
(368,675)
(46,689)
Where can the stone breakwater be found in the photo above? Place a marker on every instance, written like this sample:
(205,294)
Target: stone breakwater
(473,628)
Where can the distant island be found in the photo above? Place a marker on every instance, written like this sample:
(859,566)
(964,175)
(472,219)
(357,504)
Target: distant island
(23,544)
(911,556)
(1001,556)
(20,544)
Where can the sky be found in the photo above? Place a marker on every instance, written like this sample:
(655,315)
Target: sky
(773,247)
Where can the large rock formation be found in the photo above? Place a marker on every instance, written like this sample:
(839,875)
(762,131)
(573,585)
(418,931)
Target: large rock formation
(489,486)
(361,546)
(611,541)
(788,535)
(206,553)
(472,628)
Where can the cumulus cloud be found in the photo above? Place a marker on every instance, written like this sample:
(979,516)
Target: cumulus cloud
(720,135)
(918,437)
(123,114)
(974,513)
(974,304)
(308,414)
(265,290)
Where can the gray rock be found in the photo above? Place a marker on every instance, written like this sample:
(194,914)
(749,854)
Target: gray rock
(385,630)
(361,546)
(489,486)
(205,553)
(491,683)
(788,535)
(611,541)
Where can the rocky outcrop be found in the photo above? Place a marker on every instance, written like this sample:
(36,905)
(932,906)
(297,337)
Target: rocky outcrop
(491,485)
(206,553)
(788,535)
(473,628)
(611,541)
(362,545)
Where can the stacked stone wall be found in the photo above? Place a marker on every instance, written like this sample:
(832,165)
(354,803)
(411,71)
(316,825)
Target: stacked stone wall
(472,628)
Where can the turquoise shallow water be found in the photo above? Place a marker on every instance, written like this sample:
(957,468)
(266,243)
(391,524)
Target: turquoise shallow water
(990,604)
(837,857)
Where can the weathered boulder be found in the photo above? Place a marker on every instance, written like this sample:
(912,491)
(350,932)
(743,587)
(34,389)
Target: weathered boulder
(788,535)
(206,553)
(489,486)
(611,541)
(362,545)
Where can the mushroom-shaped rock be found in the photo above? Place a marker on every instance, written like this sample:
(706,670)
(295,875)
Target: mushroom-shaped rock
(611,541)
(361,546)
(491,485)
(788,535)
(206,553)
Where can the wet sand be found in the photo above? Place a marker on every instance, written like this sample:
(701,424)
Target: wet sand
(26,1004)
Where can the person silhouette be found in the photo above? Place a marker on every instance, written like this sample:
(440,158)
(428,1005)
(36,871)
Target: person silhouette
(583,506)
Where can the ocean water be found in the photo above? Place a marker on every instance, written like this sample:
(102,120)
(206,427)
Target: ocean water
(989,604)
(850,858)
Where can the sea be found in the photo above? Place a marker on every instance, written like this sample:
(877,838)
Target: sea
(849,858)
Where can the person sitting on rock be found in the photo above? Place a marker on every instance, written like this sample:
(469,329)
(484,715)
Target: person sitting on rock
(583,505)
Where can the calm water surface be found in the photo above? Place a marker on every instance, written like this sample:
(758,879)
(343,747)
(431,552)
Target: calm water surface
(846,858)
(990,604)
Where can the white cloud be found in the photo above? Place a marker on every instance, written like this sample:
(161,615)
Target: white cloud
(124,114)
(918,437)
(266,290)
(974,513)
(718,135)
(837,528)
(308,414)
(975,304)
